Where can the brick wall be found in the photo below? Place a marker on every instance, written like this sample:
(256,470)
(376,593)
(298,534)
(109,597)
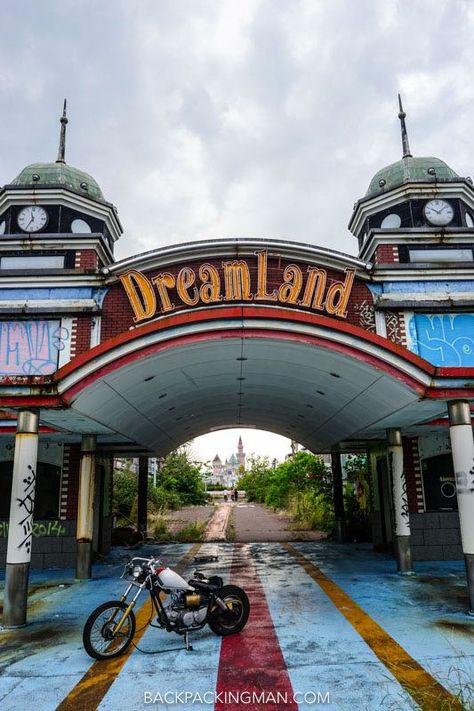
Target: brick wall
(395,325)
(81,335)
(86,259)
(386,254)
(117,315)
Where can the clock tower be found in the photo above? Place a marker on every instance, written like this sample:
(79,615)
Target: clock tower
(417,210)
(54,216)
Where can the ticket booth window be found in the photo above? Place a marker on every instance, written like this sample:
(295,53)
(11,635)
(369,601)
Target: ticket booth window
(439,484)
(48,483)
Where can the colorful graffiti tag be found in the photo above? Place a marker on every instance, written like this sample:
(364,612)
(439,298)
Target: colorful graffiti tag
(31,347)
(443,339)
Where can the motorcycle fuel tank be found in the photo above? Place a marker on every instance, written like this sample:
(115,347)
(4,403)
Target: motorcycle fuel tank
(169,579)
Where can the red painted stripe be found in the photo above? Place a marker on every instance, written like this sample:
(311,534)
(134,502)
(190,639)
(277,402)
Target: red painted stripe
(245,312)
(252,662)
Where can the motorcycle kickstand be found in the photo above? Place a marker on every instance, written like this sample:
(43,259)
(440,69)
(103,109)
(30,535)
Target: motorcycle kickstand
(189,647)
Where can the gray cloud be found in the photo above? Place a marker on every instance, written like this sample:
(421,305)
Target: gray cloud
(258,117)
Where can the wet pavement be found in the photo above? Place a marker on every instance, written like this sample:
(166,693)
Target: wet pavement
(331,626)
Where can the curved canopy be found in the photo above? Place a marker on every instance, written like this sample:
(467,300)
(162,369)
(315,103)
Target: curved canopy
(312,383)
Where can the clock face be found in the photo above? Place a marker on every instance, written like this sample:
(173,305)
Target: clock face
(32,218)
(438,212)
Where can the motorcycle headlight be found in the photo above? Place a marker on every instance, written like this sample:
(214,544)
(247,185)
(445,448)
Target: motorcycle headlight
(136,571)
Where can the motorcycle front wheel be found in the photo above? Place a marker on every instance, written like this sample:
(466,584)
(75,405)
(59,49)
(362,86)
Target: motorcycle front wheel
(235,618)
(99,637)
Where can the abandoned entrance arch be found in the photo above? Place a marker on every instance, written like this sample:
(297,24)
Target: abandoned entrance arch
(137,356)
(282,338)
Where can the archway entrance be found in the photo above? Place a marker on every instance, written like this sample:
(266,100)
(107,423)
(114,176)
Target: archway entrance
(275,341)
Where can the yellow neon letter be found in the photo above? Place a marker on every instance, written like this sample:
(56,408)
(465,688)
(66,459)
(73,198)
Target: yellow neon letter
(164,282)
(210,291)
(140,294)
(293,280)
(185,279)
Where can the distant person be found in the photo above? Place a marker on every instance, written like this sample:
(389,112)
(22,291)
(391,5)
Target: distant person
(226,494)
(236,495)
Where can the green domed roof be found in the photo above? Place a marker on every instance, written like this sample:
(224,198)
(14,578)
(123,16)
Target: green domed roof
(54,174)
(408,170)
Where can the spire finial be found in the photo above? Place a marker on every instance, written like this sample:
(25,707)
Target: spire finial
(405,144)
(62,137)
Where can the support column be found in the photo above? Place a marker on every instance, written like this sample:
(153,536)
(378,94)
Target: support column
(338,495)
(20,531)
(400,501)
(142,493)
(462,446)
(85,509)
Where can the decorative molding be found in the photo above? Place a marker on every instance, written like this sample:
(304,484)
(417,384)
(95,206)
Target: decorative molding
(64,488)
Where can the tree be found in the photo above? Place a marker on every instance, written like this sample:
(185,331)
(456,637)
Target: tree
(181,476)
(179,484)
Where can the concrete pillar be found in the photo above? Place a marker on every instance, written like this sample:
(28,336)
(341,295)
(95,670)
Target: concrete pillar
(20,531)
(462,446)
(400,501)
(142,512)
(338,495)
(85,508)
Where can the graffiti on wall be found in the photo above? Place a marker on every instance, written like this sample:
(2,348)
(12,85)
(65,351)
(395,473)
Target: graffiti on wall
(445,340)
(31,347)
(39,529)
(27,505)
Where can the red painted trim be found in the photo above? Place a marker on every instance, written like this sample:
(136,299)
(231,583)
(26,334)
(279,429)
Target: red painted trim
(244,312)
(32,401)
(455,372)
(252,661)
(454,393)
(11,429)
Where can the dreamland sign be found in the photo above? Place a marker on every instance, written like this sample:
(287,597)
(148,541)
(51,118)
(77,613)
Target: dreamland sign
(235,280)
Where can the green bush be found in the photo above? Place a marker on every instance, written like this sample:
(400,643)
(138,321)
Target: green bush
(312,511)
(303,485)
(160,499)
(190,533)
(125,491)
(181,476)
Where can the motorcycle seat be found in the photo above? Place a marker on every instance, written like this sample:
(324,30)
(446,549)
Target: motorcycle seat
(212,584)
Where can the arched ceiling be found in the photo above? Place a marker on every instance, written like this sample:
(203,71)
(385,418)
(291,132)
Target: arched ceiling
(277,380)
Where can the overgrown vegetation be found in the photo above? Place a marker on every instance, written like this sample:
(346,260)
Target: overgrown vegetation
(190,533)
(179,484)
(301,485)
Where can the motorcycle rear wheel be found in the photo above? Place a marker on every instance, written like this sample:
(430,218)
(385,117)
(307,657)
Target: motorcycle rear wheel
(235,618)
(99,639)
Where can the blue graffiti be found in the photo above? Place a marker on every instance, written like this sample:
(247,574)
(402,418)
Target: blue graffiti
(31,347)
(444,339)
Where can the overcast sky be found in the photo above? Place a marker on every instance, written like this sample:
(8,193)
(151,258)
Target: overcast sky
(221,118)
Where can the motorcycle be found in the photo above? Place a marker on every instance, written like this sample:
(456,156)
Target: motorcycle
(191,605)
